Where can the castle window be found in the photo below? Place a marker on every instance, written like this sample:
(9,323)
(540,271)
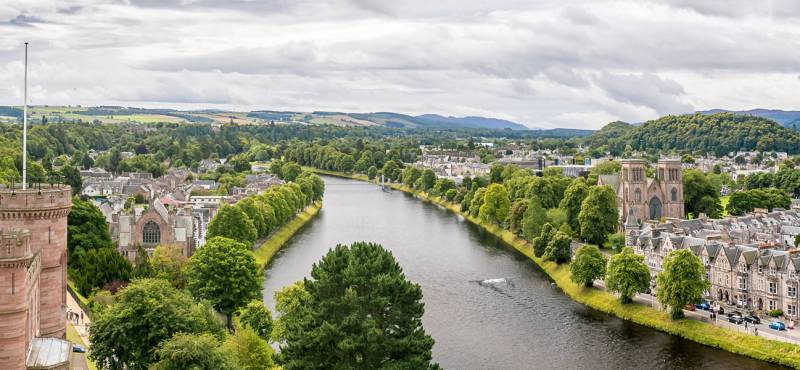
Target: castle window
(637,195)
(151,234)
(674,194)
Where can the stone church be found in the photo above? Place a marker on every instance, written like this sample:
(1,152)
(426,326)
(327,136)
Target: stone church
(154,225)
(644,198)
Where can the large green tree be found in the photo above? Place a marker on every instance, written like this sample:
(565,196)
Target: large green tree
(362,313)
(224,273)
(682,281)
(248,351)
(86,229)
(573,199)
(533,219)
(168,263)
(145,313)
(231,222)
(742,202)
(495,205)
(588,265)
(558,249)
(257,317)
(598,216)
(290,305)
(192,351)
(99,267)
(627,275)
(540,242)
(700,195)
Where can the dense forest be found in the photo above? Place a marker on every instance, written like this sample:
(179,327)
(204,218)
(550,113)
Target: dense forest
(718,134)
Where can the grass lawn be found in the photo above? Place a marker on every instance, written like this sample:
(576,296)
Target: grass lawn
(723,201)
(264,253)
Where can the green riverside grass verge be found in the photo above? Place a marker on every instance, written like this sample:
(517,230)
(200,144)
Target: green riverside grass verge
(264,253)
(714,336)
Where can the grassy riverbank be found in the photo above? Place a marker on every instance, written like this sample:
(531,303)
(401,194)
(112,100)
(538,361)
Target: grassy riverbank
(276,240)
(744,344)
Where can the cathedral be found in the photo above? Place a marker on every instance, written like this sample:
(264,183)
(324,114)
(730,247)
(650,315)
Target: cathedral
(646,198)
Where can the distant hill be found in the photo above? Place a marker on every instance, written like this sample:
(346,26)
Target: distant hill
(787,118)
(470,122)
(718,133)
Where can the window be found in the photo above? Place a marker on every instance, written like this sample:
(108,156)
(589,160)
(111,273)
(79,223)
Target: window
(742,268)
(637,195)
(772,305)
(760,269)
(791,310)
(791,291)
(742,283)
(151,233)
(772,270)
(773,287)
(674,194)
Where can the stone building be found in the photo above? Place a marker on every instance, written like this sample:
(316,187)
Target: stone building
(33,277)
(747,264)
(152,226)
(648,198)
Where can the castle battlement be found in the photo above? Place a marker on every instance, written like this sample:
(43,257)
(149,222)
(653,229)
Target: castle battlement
(15,245)
(47,201)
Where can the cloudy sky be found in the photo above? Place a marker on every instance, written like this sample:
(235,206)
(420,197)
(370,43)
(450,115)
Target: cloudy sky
(542,63)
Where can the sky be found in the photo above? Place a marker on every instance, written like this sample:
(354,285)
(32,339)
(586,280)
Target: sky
(545,64)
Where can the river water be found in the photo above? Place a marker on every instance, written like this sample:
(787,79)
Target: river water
(521,323)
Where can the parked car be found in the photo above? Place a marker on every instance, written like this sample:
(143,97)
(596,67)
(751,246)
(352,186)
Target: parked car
(78,348)
(738,320)
(703,306)
(777,325)
(753,319)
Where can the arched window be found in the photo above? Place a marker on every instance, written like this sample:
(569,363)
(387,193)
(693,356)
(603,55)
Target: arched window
(637,195)
(674,194)
(151,234)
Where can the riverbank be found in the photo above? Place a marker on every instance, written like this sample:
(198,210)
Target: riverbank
(264,253)
(697,331)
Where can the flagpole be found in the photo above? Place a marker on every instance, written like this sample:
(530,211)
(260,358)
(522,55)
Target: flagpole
(25,126)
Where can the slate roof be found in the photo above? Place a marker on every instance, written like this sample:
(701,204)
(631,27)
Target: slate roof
(611,180)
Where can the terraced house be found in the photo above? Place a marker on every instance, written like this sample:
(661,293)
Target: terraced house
(749,260)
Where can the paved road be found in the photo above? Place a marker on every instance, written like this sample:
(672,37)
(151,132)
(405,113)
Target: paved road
(82,326)
(790,336)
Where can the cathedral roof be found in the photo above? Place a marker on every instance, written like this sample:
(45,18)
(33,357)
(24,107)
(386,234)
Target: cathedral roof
(610,180)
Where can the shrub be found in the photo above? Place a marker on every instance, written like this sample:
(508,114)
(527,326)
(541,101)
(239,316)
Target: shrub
(775,313)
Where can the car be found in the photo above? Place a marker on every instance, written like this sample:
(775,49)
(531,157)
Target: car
(777,325)
(738,320)
(735,313)
(753,319)
(703,306)
(77,348)
(688,307)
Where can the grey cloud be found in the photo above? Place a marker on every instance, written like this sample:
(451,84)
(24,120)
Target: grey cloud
(740,8)
(24,20)
(647,90)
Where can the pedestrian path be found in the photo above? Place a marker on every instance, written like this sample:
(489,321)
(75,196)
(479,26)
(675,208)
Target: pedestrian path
(80,320)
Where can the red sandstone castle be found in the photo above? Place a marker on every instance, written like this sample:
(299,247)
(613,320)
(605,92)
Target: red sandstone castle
(33,277)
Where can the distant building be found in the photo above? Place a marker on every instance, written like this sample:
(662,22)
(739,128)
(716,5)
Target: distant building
(152,226)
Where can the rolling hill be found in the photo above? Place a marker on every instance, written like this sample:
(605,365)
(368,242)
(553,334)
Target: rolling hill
(787,118)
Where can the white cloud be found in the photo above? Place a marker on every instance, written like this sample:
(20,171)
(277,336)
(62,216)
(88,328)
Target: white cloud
(543,63)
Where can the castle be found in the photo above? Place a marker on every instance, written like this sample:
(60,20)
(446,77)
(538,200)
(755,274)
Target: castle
(33,277)
(640,198)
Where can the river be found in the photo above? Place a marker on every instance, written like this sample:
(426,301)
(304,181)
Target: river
(522,323)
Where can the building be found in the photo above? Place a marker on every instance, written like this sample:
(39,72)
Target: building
(649,198)
(152,226)
(33,270)
(748,263)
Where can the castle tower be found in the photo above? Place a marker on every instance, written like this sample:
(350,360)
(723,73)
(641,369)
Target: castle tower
(42,210)
(670,177)
(634,188)
(19,296)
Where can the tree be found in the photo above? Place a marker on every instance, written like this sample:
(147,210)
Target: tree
(72,177)
(391,170)
(495,205)
(372,172)
(290,304)
(540,242)
(231,222)
(587,266)
(347,163)
(248,350)
(290,171)
(276,167)
(145,313)
(615,242)
(742,202)
(517,215)
(168,263)
(142,266)
(99,267)
(574,195)
(86,229)
(192,351)
(627,275)
(598,216)
(428,178)
(239,163)
(365,317)
(534,219)
(410,176)
(682,281)
(558,249)
(257,317)
(225,274)
(699,194)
